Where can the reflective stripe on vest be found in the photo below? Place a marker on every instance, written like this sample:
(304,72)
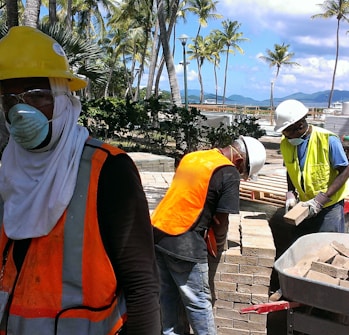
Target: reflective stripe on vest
(318,173)
(67,283)
(178,211)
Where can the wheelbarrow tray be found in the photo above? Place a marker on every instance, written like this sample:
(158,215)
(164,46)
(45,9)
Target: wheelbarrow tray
(321,295)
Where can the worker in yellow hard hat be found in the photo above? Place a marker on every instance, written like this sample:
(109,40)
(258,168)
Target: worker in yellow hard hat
(76,243)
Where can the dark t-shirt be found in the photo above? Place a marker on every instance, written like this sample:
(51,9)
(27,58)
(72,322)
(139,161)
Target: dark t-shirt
(222,197)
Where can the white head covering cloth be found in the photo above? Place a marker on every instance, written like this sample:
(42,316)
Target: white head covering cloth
(37,186)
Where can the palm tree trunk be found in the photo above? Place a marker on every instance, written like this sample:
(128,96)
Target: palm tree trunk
(154,60)
(335,67)
(272,96)
(176,98)
(202,94)
(12,13)
(215,79)
(174,8)
(68,19)
(32,13)
(225,75)
(52,12)
(158,76)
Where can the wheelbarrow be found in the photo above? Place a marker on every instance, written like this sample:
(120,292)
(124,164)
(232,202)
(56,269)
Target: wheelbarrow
(313,307)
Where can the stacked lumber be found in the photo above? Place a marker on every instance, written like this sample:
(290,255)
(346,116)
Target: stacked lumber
(329,265)
(269,189)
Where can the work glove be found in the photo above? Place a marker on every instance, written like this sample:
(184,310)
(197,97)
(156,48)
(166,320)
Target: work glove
(291,201)
(315,205)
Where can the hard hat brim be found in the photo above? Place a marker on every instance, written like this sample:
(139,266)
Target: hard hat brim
(256,158)
(76,84)
(280,129)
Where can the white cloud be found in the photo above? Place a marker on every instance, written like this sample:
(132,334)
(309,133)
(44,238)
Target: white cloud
(191,74)
(288,79)
(261,7)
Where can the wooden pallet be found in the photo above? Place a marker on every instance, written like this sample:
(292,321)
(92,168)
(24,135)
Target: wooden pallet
(270,190)
(266,190)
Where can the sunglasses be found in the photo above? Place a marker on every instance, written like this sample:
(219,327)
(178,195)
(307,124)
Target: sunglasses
(36,98)
(294,128)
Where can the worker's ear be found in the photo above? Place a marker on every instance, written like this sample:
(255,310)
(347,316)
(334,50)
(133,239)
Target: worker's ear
(239,164)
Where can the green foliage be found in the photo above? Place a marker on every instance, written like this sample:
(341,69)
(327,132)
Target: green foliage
(110,117)
(187,127)
(153,126)
(241,125)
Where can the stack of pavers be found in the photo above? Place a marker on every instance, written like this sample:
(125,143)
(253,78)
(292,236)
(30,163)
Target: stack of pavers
(240,275)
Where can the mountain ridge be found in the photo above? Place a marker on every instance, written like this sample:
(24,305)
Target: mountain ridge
(316,98)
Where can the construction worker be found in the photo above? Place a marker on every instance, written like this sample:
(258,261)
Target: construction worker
(191,220)
(317,169)
(76,244)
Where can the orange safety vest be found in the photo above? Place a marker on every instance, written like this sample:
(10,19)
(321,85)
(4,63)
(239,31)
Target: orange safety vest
(185,199)
(66,284)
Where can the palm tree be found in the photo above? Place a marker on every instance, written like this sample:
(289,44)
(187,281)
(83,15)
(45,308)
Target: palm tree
(278,57)
(200,51)
(204,9)
(230,37)
(340,10)
(140,15)
(173,10)
(113,47)
(214,44)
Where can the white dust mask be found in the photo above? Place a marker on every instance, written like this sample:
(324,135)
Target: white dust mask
(28,126)
(296,141)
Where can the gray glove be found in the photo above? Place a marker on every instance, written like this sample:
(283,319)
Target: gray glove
(291,201)
(315,205)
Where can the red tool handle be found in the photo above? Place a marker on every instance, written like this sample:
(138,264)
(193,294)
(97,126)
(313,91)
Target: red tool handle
(270,307)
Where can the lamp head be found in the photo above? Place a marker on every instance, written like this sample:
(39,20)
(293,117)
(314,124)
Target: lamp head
(183,38)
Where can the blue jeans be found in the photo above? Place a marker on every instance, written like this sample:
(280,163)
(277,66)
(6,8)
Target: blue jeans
(184,287)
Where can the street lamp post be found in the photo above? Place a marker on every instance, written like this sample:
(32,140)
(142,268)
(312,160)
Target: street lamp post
(272,95)
(183,38)
(271,101)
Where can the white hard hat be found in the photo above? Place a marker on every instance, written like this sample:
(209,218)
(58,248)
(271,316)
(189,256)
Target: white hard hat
(288,113)
(256,154)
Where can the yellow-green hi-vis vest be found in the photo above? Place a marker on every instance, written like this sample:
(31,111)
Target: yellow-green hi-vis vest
(318,173)
(185,198)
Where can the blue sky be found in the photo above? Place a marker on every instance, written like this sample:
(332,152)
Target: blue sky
(264,23)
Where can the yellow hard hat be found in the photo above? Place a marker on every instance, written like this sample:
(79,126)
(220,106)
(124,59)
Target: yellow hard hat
(27,52)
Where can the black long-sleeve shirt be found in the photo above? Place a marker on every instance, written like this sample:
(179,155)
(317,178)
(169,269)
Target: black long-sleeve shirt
(126,232)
